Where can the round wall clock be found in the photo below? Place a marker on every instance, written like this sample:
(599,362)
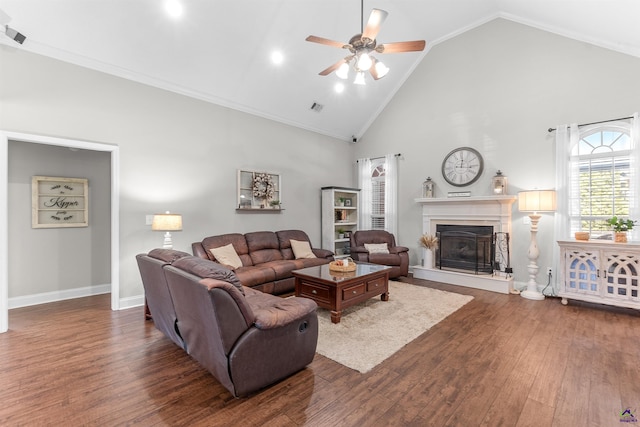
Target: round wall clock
(462,166)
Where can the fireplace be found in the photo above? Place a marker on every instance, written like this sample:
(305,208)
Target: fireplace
(465,247)
(467,217)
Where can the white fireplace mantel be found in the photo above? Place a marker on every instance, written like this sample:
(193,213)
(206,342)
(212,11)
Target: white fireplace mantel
(480,210)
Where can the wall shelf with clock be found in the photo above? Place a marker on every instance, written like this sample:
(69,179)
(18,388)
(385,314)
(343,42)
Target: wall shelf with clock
(259,191)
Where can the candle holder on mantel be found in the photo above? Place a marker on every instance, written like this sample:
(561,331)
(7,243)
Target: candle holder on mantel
(499,184)
(428,188)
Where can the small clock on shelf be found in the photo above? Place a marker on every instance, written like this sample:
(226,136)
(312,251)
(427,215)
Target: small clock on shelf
(462,166)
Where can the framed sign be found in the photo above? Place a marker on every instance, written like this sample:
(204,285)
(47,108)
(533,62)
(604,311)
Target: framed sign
(59,202)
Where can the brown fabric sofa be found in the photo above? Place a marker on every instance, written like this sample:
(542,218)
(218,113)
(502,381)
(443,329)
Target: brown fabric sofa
(267,257)
(397,258)
(247,339)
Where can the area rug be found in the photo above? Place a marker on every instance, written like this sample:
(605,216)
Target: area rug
(370,332)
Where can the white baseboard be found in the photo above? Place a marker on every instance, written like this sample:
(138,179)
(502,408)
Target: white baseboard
(46,297)
(131,302)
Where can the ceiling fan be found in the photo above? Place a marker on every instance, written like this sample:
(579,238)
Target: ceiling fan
(362,45)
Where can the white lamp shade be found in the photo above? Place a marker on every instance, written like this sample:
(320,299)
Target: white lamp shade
(167,222)
(364,61)
(381,69)
(537,201)
(359,78)
(343,71)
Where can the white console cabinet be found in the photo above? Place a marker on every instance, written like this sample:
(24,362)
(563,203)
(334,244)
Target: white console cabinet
(600,271)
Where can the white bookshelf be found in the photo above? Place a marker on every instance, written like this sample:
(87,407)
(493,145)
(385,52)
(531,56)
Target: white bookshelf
(340,207)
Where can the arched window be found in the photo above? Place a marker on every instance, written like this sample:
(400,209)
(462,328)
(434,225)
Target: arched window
(601,184)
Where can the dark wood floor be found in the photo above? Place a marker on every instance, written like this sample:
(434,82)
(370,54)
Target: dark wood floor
(500,360)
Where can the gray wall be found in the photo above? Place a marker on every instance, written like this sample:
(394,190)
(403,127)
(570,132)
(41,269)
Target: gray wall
(498,88)
(55,259)
(176,153)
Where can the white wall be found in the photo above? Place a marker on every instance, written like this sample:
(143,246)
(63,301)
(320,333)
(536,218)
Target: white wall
(176,153)
(498,88)
(67,258)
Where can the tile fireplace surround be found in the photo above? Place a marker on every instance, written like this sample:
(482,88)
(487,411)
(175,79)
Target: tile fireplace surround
(481,210)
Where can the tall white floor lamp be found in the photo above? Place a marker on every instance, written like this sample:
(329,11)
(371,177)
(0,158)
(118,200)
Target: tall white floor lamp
(535,201)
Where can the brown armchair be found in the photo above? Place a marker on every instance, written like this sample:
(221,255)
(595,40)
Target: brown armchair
(397,257)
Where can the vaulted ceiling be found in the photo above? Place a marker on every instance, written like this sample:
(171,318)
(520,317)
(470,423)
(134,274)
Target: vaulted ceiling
(220,51)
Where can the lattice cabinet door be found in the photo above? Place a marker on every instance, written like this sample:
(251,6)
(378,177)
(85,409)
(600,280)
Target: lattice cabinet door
(582,272)
(599,271)
(621,276)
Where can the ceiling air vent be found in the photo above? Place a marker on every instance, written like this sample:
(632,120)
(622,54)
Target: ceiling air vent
(317,107)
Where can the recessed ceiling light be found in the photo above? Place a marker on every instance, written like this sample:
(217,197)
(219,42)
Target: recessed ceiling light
(173,8)
(277,57)
(339,88)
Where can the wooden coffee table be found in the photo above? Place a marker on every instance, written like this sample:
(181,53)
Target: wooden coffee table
(336,290)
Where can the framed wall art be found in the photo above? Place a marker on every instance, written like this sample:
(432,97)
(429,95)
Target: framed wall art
(59,202)
(259,191)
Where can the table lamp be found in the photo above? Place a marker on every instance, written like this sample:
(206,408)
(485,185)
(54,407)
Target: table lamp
(167,222)
(535,201)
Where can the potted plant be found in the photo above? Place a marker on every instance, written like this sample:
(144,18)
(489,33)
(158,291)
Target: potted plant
(620,227)
(340,232)
(341,201)
(430,243)
(275,204)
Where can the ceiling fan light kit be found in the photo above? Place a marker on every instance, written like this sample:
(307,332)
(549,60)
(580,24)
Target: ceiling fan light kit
(361,46)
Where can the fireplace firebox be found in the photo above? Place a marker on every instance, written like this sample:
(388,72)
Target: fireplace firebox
(465,247)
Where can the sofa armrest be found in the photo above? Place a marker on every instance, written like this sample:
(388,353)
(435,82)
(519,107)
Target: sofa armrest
(359,253)
(322,253)
(198,250)
(283,312)
(398,249)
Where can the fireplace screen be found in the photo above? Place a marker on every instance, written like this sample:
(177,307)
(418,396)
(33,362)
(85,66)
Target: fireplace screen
(465,247)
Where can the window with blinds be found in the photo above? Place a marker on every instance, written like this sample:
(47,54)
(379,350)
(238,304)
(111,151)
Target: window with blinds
(377,197)
(601,184)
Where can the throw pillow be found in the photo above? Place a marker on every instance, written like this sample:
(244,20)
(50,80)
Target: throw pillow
(301,249)
(227,255)
(377,248)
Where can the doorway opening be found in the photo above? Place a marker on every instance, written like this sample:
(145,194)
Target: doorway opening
(4,204)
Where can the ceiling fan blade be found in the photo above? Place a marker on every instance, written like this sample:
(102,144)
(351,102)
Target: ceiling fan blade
(332,68)
(321,40)
(376,19)
(399,47)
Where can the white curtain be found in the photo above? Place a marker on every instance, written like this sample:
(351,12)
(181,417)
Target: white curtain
(634,200)
(391,195)
(566,171)
(364,184)
(566,138)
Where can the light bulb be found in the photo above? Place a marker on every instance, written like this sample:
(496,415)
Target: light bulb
(173,8)
(381,69)
(359,78)
(343,71)
(364,62)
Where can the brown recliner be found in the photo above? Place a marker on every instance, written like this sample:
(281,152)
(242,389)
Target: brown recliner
(247,339)
(397,258)
(156,290)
